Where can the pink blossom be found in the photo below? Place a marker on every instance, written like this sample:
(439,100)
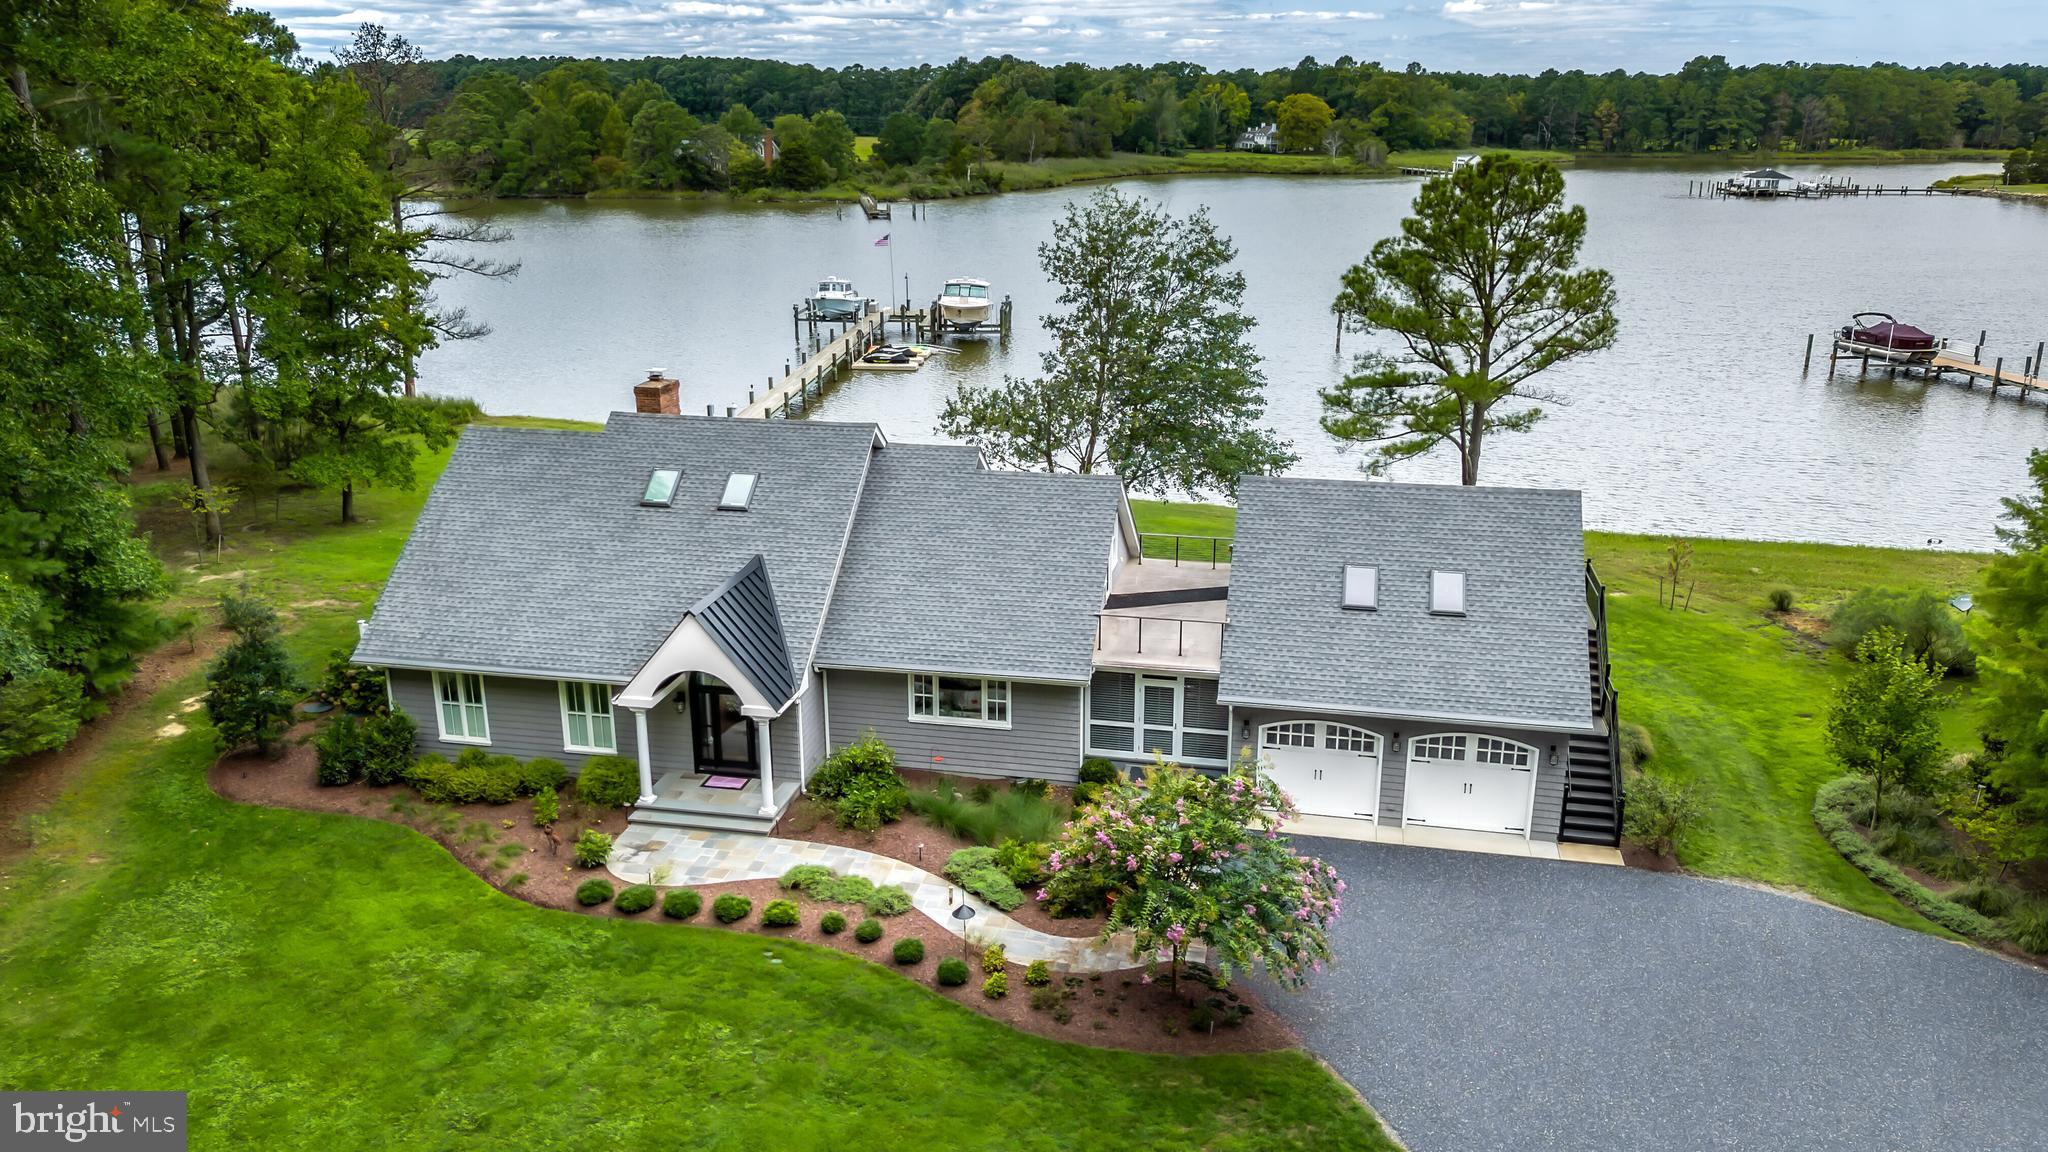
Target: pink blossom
(1173,856)
(1130,863)
(1040,896)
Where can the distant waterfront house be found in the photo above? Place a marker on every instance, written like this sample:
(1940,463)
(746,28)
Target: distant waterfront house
(1765,180)
(726,600)
(1259,138)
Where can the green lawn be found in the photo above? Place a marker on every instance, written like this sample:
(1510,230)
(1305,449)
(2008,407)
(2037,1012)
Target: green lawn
(328,982)
(1733,699)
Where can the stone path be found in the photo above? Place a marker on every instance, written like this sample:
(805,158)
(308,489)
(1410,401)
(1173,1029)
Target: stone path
(694,857)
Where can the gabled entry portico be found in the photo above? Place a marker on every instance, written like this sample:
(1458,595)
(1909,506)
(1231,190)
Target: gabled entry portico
(726,664)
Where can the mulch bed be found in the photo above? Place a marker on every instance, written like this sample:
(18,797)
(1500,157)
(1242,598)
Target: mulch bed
(916,840)
(499,843)
(1636,856)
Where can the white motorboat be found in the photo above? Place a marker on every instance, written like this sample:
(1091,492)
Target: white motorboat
(835,299)
(964,302)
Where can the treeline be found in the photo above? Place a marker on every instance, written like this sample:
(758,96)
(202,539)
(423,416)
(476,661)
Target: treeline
(200,241)
(554,126)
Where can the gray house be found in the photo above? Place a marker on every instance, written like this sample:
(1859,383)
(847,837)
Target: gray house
(725,601)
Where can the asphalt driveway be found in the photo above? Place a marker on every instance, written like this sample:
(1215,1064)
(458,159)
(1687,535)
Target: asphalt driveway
(1502,1003)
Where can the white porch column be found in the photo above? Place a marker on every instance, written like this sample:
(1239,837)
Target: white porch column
(646,756)
(767,768)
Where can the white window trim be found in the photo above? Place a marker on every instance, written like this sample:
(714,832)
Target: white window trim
(482,706)
(1181,729)
(604,692)
(1009,702)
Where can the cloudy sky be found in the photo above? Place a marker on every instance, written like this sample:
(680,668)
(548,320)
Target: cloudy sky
(1486,35)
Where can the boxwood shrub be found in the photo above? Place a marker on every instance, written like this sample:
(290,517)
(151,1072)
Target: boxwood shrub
(593,892)
(731,907)
(780,914)
(952,971)
(681,903)
(868,931)
(609,781)
(832,923)
(635,900)
(388,740)
(909,950)
(544,772)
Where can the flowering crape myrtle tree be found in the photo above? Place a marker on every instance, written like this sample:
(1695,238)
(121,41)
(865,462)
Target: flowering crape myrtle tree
(1189,857)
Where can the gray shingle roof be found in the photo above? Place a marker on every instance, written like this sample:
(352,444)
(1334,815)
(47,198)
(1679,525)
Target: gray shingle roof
(953,568)
(534,554)
(1518,655)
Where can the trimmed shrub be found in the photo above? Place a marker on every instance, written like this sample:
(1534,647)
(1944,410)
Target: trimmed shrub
(543,772)
(868,931)
(491,779)
(1831,808)
(547,808)
(908,951)
(975,870)
(1932,630)
(593,892)
(1096,770)
(866,759)
(388,740)
(609,782)
(1636,745)
(780,914)
(992,958)
(1037,974)
(996,986)
(832,923)
(952,972)
(1780,599)
(869,802)
(887,900)
(593,848)
(681,903)
(1656,811)
(339,747)
(731,907)
(635,900)
(808,878)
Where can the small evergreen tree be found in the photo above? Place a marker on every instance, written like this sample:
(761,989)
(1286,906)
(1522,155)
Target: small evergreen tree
(1883,723)
(251,687)
(2012,632)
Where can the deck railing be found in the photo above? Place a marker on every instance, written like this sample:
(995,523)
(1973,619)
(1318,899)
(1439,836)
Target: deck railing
(1209,551)
(1163,634)
(1596,603)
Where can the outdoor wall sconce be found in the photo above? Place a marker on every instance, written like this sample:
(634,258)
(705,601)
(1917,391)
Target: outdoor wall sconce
(1244,731)
(1553,755)
(1395,743)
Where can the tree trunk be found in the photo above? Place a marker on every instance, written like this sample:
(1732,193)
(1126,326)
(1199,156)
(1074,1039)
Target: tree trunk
(398,222)
(189,418)
(348,502)
(156,440)
(1876,799)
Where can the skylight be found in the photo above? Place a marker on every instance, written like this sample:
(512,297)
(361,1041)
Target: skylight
(661,488)
(1361,586)
(1447,593)
(739,492)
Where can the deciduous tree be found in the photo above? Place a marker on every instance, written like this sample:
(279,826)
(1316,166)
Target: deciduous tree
(1483,290)
(1883,723)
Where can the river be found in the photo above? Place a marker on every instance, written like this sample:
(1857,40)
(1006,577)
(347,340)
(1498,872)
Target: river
(1698,422)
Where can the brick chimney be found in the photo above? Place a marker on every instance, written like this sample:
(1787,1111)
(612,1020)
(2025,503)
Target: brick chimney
(658,395)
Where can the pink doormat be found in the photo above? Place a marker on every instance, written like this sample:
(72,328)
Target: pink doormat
(729,783)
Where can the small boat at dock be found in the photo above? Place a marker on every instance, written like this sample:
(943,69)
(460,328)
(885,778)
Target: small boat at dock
(964,303)
(835,299)
(1877,333)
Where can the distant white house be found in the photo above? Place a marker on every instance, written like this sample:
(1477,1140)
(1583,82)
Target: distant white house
(1465,161)
(1259,138)
(1765,180)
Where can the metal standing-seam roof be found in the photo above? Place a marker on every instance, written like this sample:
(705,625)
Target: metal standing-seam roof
(956,568)
(534,555)
(1517,656)
(743,622)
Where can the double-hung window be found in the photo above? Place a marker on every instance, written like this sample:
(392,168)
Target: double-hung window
(587,718)
(936,699)
(460,696)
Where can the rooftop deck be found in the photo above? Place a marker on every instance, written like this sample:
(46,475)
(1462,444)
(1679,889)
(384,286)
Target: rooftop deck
(1165,616)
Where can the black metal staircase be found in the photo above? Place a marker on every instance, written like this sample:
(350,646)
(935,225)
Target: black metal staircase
(1592,790)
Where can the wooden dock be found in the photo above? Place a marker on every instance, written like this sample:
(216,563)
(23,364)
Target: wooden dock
(805,384)
(1945,359)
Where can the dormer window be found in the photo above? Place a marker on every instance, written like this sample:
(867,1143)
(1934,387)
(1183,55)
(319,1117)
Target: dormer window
(1447,593)
(739,492)
(1361,587)
(661,488)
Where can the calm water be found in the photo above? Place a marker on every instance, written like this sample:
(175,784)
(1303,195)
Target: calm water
(1698,421)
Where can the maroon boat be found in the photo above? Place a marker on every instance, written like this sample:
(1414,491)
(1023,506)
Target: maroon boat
(1879,330)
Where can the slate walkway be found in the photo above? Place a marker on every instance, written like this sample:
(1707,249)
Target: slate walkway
(693,857)
(1494,1003)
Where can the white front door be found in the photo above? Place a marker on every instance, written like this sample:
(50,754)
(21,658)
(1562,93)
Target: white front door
(1328,769)
(1464,780)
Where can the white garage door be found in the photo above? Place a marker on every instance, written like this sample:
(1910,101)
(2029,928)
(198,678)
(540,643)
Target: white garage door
(1329,769)
(1464,780)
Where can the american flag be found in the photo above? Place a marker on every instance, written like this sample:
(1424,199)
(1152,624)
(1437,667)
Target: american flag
(883,242)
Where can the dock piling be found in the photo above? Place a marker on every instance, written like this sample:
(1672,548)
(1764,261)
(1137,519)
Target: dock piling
(1997,373)
(1803,368)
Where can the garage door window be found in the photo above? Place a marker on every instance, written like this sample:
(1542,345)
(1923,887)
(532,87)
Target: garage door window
(1491,751)
(1438,748)
(1343,738)
(1301,735)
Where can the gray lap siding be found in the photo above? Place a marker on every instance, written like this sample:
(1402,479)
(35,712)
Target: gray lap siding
(1549,807)
(1043,740)
(525,719)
